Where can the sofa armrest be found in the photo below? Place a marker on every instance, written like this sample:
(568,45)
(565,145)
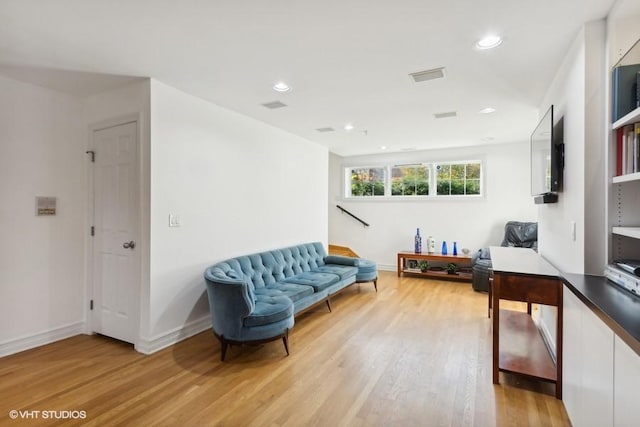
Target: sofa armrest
(342,260)
(223,274)
(231,300)
(229,276)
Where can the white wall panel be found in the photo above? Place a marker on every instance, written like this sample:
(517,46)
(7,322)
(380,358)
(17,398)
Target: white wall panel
(238,185)
(41,257)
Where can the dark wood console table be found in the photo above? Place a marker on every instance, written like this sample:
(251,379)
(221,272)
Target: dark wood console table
(459,260)
(523,275)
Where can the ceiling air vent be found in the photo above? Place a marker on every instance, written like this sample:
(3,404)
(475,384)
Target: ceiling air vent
(445,115)
(275,104)
(326,129)
(423,76)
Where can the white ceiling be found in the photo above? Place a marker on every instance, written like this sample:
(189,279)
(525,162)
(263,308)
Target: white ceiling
(347,60)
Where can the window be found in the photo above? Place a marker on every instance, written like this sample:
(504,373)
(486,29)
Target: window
(457,179)
(367,182)
(410,180)
(422,180)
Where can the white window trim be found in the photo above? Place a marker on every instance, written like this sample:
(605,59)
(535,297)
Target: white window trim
(346,183)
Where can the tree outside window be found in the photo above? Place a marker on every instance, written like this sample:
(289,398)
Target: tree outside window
(367,181)
(458,179)
(410,180)
(423,180)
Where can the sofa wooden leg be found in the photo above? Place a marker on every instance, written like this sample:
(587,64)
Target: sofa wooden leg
(375,284)
(285,340)
(329,305)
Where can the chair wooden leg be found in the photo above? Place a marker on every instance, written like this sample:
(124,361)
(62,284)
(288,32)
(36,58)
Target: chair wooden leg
(490,298)
(329,305)
(375,284)
(223,348)
(285,340)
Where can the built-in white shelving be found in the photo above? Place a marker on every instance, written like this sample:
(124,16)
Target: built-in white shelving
(624,190)
(626,178)
(633,232)
(630,118)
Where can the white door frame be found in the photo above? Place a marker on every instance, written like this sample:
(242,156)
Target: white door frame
(90,215)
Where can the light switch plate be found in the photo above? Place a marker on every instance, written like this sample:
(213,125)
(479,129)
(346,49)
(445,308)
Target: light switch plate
(174,220)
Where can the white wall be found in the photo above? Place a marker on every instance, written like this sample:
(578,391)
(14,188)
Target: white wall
(578,93)
(472,222)
(238,185)
(567,94)
(41,258)
(596,152)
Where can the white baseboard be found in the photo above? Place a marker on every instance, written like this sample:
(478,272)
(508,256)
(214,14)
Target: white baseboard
(146,346)
(384,267)
(41,338)
(157,343)
(546,336)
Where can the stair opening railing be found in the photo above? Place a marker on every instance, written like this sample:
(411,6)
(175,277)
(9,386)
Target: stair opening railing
(352,215)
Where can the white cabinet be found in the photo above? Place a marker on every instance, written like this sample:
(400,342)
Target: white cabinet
(597,370)
(601,373)
(588,363)
(572,357)
(626,386)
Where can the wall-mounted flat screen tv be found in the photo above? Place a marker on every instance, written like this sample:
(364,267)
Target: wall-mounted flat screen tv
(547,158)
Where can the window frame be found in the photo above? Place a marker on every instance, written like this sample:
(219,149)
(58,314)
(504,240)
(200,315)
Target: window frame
(432,181)
(390,168)
(347,181)
(451,164)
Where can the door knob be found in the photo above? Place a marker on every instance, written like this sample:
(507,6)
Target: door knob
(129,245)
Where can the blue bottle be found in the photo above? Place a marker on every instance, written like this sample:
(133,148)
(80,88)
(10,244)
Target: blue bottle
(444,247)
(418,242)
(455,248)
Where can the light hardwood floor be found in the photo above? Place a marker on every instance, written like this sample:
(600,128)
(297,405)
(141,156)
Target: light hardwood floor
(417,353)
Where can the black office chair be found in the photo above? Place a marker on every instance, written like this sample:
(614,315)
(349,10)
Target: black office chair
(516,234)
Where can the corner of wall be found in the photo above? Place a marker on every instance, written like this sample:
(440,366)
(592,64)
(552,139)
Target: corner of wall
(149,345)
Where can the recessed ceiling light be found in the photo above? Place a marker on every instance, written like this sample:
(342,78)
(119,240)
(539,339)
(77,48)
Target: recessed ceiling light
(348,127)
(489,42)
(281,87)
(487,110)
(384,147)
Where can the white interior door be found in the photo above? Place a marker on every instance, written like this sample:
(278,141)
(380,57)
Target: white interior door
(116,267)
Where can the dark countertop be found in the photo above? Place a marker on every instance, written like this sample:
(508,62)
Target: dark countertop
(618,308)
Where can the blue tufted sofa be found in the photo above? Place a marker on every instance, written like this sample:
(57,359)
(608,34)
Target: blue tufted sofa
(254,298)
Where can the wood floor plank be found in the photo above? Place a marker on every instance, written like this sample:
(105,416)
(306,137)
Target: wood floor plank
(416,353)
